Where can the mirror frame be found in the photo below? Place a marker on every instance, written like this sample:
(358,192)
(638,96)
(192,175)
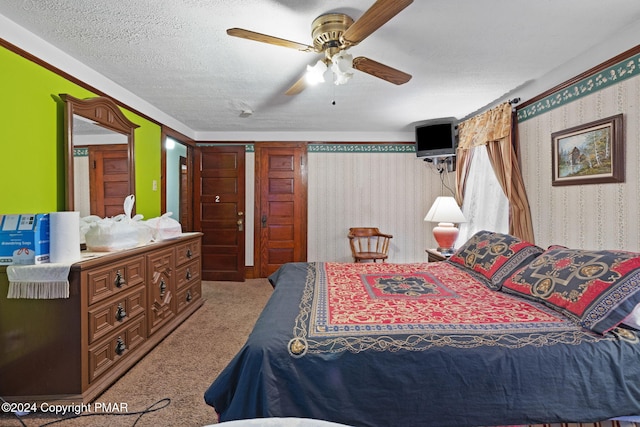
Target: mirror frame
(106,113)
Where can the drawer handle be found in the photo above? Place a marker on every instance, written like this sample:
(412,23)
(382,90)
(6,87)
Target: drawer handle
(120,346)
(188,274)
(120,313)
(119,282)
(189,297)
(163,288)
(189,254)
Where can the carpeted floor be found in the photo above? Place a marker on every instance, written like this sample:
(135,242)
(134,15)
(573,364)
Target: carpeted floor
(182,366)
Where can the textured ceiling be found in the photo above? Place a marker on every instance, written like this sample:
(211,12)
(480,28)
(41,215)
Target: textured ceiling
(176,56)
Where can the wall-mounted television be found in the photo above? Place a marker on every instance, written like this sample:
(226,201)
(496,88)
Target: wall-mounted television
(436,138)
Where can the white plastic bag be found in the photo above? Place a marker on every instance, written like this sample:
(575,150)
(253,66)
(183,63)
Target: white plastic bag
(85,224)
(164,227)
(119,232)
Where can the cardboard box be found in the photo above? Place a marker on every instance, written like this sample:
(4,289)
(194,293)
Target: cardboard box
(24,239)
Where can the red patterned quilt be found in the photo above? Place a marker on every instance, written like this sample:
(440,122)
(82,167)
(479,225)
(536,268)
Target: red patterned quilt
(385,306)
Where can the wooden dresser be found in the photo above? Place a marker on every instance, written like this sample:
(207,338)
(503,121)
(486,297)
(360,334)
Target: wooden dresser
(120,306)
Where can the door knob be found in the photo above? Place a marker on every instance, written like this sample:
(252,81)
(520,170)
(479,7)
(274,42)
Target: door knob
(264,221)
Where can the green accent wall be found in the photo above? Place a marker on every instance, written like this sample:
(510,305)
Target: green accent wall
(148,149)
(32,144)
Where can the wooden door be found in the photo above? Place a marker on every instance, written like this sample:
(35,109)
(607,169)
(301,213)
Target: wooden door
(108,179)
(219,189)
(281,205)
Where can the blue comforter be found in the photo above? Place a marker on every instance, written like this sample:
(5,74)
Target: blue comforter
(295,364)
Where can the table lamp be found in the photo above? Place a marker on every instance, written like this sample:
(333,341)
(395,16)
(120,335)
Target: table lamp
(446,212)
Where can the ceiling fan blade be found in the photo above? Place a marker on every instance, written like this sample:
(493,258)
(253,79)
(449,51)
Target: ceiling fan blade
(375,17)
(380,71)
(259,37)
(297,87)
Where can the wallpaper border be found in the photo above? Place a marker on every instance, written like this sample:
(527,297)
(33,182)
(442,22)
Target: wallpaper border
(341,147)
(625,69)
(249,148)
(361,148)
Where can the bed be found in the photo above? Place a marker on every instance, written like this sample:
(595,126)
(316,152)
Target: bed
(502,333)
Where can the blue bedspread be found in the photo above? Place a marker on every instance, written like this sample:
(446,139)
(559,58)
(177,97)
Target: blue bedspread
(298,362)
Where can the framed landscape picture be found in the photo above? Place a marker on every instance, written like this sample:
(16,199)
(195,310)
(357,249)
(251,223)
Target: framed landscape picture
(592,153)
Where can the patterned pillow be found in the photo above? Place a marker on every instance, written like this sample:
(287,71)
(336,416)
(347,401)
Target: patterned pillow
(495,255)
(596,288)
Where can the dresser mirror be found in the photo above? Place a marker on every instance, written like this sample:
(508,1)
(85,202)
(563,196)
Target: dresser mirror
(99,156)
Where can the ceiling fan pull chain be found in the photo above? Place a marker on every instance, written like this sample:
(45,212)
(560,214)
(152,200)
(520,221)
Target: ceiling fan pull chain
(333,100)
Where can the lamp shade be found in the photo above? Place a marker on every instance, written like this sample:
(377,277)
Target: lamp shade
(315,73)
(342,67)
(445,209)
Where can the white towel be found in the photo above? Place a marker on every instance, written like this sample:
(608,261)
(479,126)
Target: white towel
(41,281)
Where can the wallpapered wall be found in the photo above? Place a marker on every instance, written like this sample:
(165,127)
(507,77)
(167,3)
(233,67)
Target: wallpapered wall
(391,191)
(349,186)
(595,216)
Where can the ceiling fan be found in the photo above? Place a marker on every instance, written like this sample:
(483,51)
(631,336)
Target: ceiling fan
(333,34)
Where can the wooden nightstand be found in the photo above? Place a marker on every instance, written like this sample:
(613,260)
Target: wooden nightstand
(434,256)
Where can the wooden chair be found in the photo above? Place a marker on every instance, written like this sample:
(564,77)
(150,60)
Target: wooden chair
(368,243)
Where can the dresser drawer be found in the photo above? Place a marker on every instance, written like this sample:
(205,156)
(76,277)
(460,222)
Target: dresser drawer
(187,251)
(161,290)
(107,281)
(189,295)
(107,353)
(109,315)
(188,273)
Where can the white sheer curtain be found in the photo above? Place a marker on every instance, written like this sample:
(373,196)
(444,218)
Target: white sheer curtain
(485,205)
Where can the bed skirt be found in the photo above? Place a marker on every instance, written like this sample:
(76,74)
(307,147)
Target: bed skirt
(609,423)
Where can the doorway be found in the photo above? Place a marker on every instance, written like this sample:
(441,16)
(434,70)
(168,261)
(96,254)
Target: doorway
(219,207)
(184,205)
(281,205)
(176,182)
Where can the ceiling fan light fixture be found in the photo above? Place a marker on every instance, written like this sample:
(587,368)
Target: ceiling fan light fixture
(332,34)
(342,67)
(315,73)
